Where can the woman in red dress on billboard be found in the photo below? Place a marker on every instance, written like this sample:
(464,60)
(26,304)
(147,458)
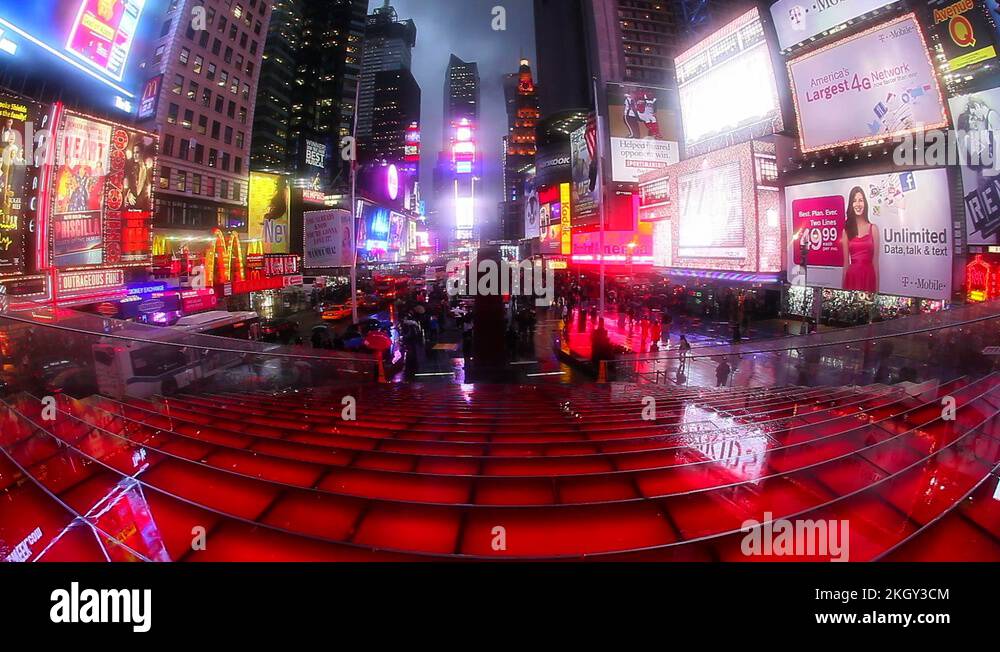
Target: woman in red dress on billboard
(860,244)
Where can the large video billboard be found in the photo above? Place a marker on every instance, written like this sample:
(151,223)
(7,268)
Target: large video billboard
(16,169)
(727,88)
(879,83)
(711,213)
(725,217)
(268,212)
(887,233)
(643,128)
(977,120)
(532,211)
(84,44)
(796,21)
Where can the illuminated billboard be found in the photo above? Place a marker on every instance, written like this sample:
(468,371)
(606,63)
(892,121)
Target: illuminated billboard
(83,157)
(877,84)
(81,43)
(727,88)
(374,230)
(966,34)
(584,191)
(642,126)
(268,212)
(976,118)
(16,173)
(795,21)
(329,238)
(723,218)
(411,151)
(620,247)
(887,233)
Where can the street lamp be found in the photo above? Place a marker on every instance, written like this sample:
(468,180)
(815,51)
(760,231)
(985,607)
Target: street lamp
(631,259)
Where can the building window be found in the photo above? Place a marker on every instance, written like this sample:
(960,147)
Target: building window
(158,54)
(192,91)
(206,97)
(225,161)
(223,78)
(238,167)
(216,47)
(240,136)
(165,28)
(196,184)
(199,61)
(188,118)
(223,189)
(228,139)
(249,67)
(183,152)
(238,10)
(211,72)
(228,56)
(234,85)
(222,23)
(246,92)
(202,124)
(164,177)
(212,156)
(210,186)
(203,40)
(232,32)
(185,55)
(253,48)
(243,40)
(178,86)
(181,181)
(215,129)
(172,114)
(219,103)
(243,115)
(256,27)
(199,153)
(168,145)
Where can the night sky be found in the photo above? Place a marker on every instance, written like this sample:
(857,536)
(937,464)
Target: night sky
(463,27)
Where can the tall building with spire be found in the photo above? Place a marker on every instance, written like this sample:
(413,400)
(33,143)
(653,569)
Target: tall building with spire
(389,44)
(519,148)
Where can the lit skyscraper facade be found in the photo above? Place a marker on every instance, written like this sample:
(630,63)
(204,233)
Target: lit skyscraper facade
(389,45)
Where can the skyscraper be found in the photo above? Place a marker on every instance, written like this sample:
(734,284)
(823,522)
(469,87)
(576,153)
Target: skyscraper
(308,88)
(519,147)
(388,47)
(461,94)
(396,106)
(205,110)
(635,40)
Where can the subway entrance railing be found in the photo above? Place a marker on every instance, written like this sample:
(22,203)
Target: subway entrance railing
(920,348)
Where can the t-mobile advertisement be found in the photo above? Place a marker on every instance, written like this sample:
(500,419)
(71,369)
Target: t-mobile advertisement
(879,83)
(887,233)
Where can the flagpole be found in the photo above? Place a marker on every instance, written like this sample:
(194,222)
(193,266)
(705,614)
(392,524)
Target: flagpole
(598,151)
(354,206)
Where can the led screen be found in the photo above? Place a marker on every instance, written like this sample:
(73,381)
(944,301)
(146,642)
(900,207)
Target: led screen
(727,88)
(877,84)
(711,213)
(81,43)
